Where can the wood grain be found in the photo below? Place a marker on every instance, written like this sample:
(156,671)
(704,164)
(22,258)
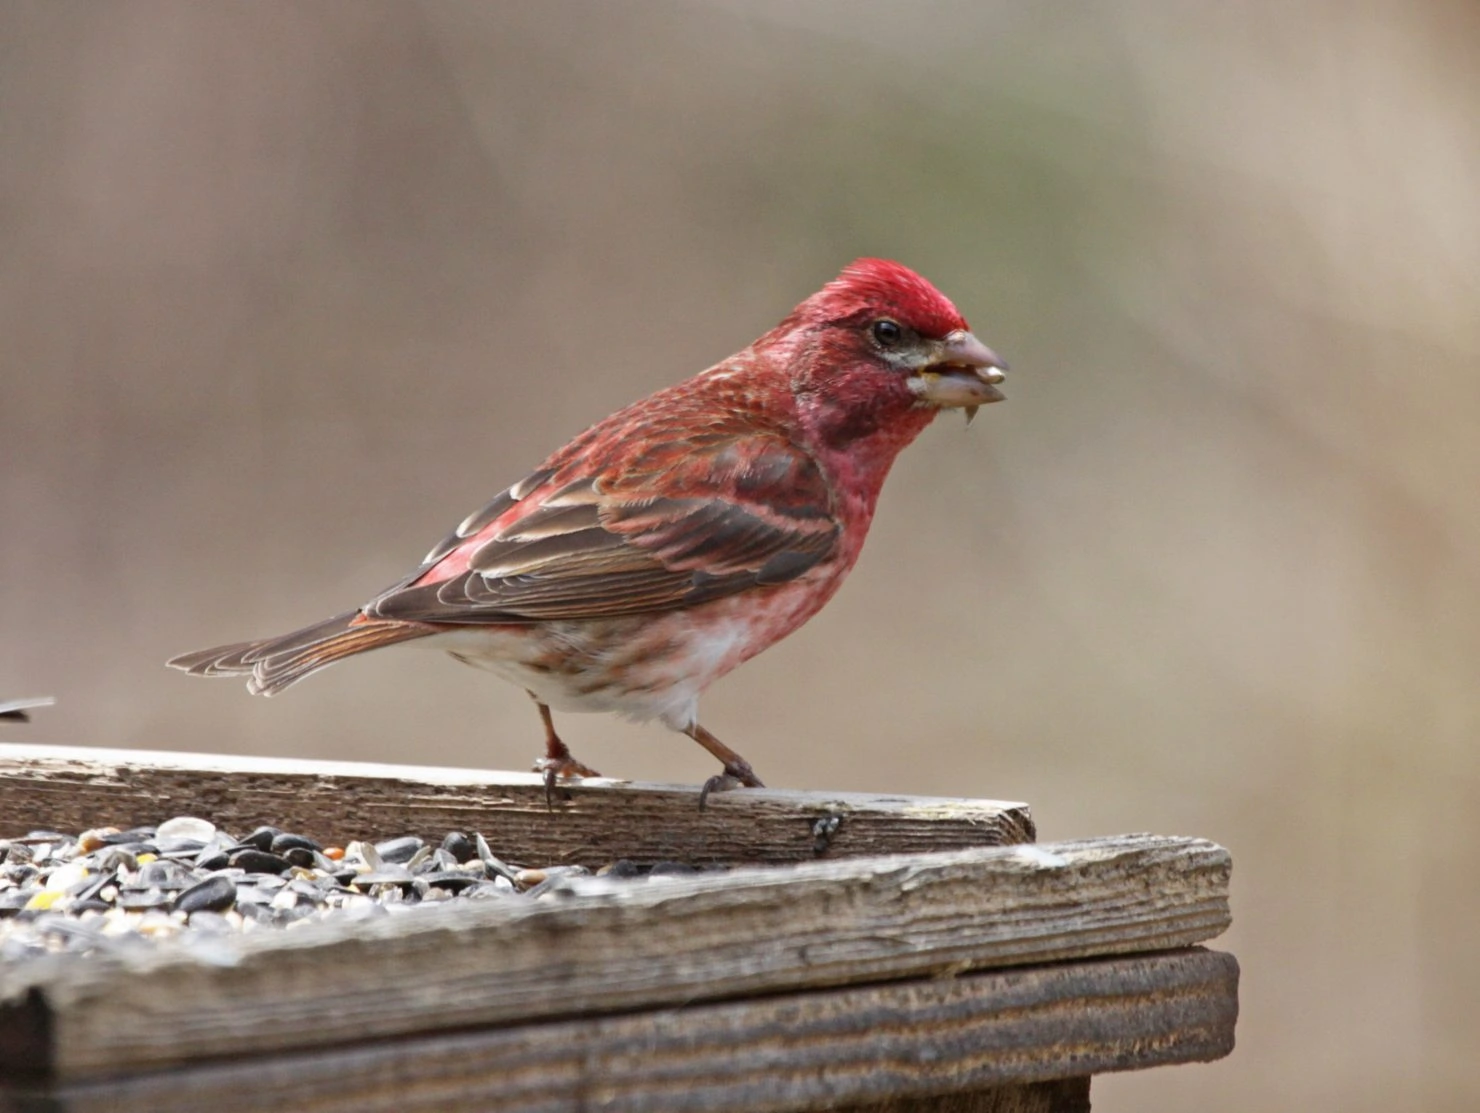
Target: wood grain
(813,1050)
(1063,1095)
(594,822)
(604,945)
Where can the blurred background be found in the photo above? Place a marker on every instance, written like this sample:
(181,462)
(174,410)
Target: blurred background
(287,289)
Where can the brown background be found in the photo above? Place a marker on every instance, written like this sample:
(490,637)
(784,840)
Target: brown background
(286,289)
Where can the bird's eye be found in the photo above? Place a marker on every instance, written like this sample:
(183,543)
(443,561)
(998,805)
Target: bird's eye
(887,333)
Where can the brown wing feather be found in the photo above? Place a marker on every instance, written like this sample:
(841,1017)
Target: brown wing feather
(736,512)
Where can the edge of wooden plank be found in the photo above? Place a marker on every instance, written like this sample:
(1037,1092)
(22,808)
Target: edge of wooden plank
(593,822)
(607,946)
(797,1051)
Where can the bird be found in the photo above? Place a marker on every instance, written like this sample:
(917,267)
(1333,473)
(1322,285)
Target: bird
(679,537)
(19,710)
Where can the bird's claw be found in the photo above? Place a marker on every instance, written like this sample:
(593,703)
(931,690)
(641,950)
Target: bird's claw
(736,775)
(720,782)
(556,769)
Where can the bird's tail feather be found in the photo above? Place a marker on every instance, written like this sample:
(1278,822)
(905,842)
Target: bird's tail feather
(273,664)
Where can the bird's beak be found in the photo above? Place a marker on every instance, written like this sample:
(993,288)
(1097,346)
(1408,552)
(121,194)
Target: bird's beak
(962,373)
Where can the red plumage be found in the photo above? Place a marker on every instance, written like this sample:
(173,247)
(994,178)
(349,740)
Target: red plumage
(685,533)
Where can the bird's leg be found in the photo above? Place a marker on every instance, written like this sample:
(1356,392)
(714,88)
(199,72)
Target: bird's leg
(558,762)
(737,770)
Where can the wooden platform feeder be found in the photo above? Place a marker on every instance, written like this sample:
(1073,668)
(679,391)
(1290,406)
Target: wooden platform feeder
(864,953)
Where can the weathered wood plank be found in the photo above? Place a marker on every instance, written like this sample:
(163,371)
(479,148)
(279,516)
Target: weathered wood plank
(614,945)
(813,1050)
(593,822)
(1063,1095)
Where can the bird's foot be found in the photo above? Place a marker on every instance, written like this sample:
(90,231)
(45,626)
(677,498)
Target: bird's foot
(563,768)
(737,774)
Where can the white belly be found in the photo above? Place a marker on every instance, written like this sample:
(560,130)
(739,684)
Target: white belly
(647,676)
(643,667)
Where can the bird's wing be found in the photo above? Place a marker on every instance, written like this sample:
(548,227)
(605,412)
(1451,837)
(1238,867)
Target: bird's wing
(669,527)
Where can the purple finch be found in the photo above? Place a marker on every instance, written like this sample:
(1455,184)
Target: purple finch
(682,535)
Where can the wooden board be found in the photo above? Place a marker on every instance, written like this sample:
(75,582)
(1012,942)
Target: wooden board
(1063,1095)
(813,1050)
(594,822)
(608,945)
